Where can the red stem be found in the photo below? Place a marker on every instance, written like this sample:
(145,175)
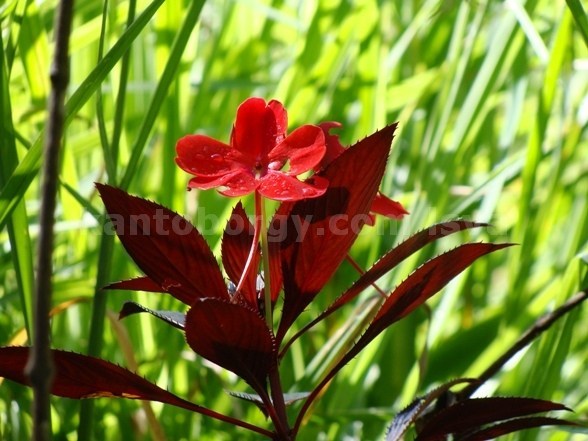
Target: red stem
(250,257)
(360,270)
(279,404)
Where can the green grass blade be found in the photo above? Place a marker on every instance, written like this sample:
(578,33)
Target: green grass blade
(28,168)
(167,78)
(18,229)
(580,18)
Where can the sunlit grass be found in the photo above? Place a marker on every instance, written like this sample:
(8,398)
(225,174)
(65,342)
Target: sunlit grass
(492,100)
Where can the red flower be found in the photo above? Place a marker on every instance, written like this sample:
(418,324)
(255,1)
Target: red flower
(382,204)
(260,157)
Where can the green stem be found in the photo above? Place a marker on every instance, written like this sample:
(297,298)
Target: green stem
(267,292)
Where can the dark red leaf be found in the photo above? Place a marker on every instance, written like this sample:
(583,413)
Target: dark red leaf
(81,376)
(165,246)
(515,425)
(471,414)
(404,419)
(400,253)
(136,284)
(233,336)
(318,232)
(426,281)
(173,318)
(389,261)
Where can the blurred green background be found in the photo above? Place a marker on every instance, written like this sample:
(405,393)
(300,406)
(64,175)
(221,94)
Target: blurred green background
(492,102)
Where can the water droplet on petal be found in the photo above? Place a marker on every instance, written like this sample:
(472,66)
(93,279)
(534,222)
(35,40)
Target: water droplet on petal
(216,157)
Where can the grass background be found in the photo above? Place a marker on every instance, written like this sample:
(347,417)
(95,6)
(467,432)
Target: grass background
(492,100)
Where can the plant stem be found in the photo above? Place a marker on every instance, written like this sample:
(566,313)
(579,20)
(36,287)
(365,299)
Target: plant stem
(361,272)
(267,292)
(279,404)
(40,367)
(250,257)
(274,377)
(539,327)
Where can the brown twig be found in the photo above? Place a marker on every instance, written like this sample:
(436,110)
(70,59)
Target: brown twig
(40,368)
(540,326)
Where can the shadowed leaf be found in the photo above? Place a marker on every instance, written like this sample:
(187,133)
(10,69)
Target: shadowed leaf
(136,284)
(165,246)
(233,336)
(515,425)
(401,252)
(423,283)
(174,318)
(471,414)
(410,414)
(426,281)
(389,261)
(80,376)
(320,231)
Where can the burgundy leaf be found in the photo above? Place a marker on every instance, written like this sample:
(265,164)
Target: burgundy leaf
(236,246)
(81,376)
(411,413)
(233,336)
(426,281)
(318,232)
(515,425)
(389,261)
(173,318)
(467,415)
(165,246)
(400,253)
(136,284)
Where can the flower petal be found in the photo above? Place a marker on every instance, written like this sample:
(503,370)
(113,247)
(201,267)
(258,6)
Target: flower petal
(208,182)
(256,129)
(239,184)
(281,117)
(303,149)
(334,147)
(279,186)
(203,156)
(387,207)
